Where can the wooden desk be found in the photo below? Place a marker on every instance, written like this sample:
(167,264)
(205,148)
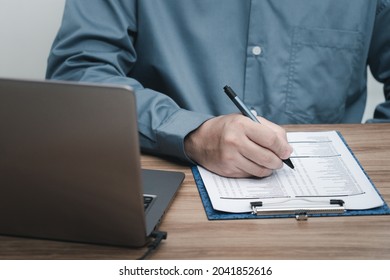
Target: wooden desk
(192,236)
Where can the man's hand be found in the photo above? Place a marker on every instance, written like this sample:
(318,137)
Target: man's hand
(235,146)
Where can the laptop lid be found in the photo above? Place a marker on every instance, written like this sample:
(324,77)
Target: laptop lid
(70,164)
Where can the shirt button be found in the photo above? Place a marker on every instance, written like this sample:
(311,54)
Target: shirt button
(256,50)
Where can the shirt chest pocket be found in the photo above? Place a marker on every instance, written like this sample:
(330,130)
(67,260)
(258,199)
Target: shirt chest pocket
(322,62)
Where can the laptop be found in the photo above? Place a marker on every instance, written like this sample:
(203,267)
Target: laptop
(70,165)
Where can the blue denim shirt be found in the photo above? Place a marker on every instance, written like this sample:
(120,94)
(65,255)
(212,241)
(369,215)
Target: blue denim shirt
(300,61)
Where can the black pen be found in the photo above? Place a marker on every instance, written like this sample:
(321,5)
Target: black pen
(246,112)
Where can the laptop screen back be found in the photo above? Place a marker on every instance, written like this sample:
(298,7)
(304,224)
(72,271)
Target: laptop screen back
(70,163)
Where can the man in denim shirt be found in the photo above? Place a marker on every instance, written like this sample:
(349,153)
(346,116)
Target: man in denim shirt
(302,61)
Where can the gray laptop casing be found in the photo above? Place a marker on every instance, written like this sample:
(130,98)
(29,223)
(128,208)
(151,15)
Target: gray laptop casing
(70,165)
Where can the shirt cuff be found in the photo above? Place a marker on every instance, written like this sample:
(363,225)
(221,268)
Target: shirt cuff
(170,136)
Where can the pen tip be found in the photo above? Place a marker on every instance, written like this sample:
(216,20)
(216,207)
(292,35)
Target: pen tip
(289,163)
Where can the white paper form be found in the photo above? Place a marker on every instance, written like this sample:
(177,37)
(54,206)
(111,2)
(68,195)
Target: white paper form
(324,169)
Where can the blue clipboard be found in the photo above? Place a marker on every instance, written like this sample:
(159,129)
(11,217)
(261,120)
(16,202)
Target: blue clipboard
(213,214)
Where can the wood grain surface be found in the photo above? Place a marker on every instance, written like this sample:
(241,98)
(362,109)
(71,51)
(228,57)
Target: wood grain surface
(192,236)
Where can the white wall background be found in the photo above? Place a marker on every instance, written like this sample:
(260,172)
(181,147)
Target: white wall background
(375,96)
(27,30)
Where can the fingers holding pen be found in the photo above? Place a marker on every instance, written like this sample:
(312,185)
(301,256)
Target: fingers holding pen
(264,145)
(235,146)
(239,156)
(273,137)
(248,113)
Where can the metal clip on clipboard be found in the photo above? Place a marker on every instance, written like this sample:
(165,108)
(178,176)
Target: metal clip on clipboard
(335,206)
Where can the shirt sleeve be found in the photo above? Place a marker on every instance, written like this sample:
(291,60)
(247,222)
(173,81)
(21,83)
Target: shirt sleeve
(95,43)
(379,58)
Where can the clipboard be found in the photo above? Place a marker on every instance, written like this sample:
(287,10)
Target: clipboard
(213,214)
(326,209)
